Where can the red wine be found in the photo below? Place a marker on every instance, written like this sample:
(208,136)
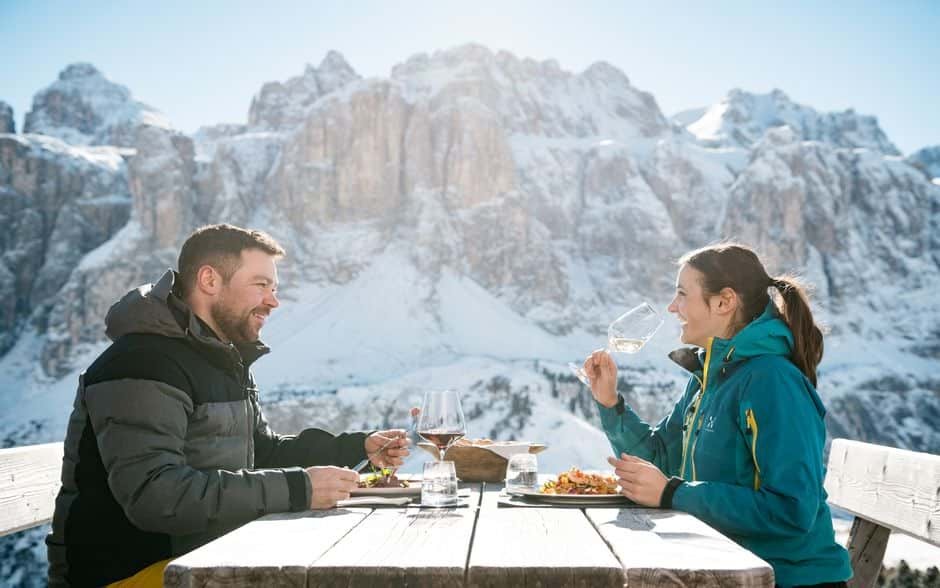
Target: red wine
(442,439)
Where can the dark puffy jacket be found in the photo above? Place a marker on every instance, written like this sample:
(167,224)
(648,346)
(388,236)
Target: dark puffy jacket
(167,447)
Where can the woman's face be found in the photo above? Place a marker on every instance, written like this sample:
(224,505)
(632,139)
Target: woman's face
(699,318)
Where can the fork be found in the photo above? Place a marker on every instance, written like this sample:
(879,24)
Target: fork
(362,464)
(414,427)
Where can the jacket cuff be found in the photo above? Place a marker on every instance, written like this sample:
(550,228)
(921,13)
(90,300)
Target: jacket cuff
(665,501)
(298,485)
(620,418)
(611,415)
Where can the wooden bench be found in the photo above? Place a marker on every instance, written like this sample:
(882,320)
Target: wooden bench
(29,481)
(887,489)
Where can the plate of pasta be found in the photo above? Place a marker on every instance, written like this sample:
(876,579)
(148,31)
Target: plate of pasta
(577,487)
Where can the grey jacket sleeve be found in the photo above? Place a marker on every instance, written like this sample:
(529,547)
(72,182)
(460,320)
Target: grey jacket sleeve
(140,427)
(311,447)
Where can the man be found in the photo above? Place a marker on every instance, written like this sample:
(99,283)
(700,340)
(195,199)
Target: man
(167,446)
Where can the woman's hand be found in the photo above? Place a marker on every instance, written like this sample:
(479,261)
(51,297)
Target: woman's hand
(640,481)
(602,372)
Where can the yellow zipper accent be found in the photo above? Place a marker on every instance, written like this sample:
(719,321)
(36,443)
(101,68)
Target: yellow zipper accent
(687,423)
(752,425)
(708,356)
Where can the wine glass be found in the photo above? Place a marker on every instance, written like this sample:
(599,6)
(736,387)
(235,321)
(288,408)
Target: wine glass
(441,421)
(628,334)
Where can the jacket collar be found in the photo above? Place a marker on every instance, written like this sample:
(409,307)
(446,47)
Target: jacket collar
(765,335)
(158,309)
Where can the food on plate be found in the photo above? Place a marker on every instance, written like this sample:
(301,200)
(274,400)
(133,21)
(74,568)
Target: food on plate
(384,478)
(574,481)
(473,442)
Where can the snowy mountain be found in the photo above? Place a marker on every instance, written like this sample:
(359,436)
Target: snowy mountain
(473,221)
(503,207)
(742,118)
(282,106)
(83,107)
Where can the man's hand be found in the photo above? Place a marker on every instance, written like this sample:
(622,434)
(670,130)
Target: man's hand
(330,484)
(602,372)
(640,481)
(387,448)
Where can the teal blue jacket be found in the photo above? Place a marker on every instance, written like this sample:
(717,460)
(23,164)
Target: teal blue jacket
(747,437)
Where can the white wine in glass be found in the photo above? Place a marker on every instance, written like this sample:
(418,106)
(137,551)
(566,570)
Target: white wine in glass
(628,334)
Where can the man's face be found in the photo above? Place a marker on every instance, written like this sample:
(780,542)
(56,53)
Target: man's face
(244,303)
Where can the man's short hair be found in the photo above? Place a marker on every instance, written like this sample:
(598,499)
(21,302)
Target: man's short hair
(220,246)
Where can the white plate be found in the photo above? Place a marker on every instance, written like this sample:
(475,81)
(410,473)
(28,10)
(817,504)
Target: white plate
(374,501)
(413,489)
(579,499)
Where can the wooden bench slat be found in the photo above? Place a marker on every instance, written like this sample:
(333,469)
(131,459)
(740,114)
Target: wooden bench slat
(30,478)
(660,548)
(538,546)
(894,488)
(274,550)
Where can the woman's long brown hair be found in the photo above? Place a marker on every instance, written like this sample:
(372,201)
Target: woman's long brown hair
(736,266)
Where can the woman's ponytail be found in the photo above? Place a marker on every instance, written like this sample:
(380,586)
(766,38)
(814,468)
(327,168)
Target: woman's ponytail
(807,337)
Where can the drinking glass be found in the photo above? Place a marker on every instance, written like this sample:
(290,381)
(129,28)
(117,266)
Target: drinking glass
(439,484)
(627,334)
(441,421)
(522,472)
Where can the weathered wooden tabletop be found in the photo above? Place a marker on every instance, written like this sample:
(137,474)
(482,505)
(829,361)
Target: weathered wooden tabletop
(479,545)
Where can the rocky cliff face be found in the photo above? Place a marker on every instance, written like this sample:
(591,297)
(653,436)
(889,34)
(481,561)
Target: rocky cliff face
(57,203)
(7,124)
(928,160)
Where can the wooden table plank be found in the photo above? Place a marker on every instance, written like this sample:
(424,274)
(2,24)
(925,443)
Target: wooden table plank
(538,547)
(421,547)
(275,550)
(671,548)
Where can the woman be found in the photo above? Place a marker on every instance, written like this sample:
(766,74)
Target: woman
(744,444)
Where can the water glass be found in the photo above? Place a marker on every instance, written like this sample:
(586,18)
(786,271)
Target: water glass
(522,472)
(439,484)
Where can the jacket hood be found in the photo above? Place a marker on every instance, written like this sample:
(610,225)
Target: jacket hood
(146,309)
(767,335)
(155,309)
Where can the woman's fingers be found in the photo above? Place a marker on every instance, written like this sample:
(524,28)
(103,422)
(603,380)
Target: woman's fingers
(628,489)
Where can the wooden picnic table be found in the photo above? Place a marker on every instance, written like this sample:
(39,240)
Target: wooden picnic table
(480,545)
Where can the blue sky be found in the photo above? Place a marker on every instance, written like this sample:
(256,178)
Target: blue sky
(200,62)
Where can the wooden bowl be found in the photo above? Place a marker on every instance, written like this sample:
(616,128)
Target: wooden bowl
(476,463)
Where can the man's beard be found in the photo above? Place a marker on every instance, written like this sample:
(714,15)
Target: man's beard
(235,326)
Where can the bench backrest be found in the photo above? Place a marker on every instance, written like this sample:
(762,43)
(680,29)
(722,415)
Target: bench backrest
(895,488)
(29,481)
(887,489)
